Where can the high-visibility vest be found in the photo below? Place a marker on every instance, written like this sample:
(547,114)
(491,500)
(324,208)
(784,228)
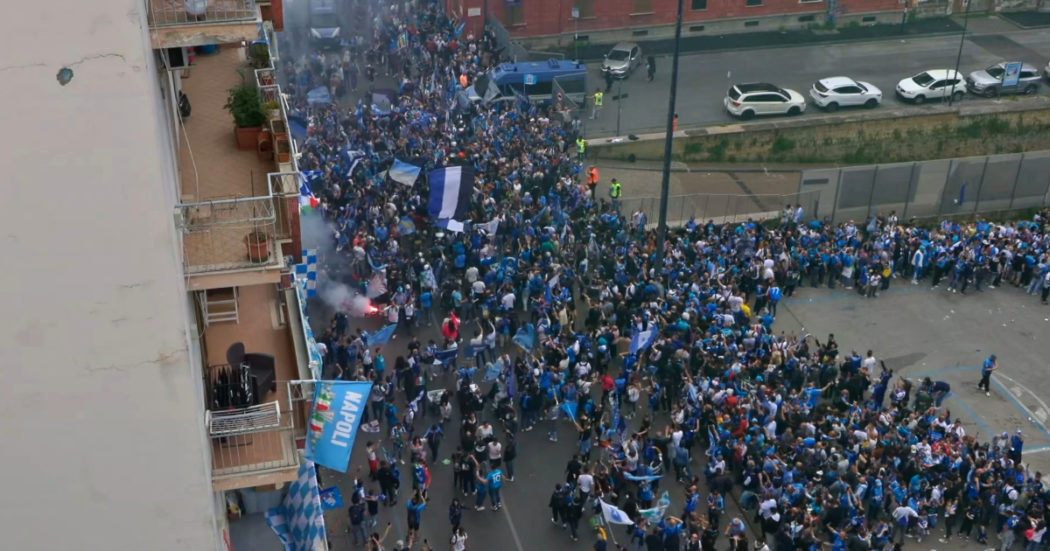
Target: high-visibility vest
(592,176)
(581,145)
(598,96)
(615,191)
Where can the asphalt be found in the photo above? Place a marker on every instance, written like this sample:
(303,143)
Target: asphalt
(705,77)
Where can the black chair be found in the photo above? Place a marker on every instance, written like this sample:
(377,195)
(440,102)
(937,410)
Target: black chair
(262,372)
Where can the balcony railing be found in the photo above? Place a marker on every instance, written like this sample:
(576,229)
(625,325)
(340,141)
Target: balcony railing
(170,13)
(229,234)
(251,440)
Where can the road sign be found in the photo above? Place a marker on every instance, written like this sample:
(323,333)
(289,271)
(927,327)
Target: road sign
(1012,73)
(530,79)
(576,13)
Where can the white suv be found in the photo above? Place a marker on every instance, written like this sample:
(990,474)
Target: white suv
(834,92)
(932,85)
(747,100)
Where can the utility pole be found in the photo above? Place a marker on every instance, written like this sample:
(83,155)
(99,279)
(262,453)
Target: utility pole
(575,33)
(619,103)
(665,184)
(962,40)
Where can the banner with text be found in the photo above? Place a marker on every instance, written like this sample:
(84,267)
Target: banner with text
(336,416)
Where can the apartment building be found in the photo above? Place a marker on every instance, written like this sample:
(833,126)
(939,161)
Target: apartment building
(151,328)
(554,23)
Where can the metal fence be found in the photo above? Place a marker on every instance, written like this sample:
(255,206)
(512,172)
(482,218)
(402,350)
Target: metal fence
(164,13)
(939,188)
(720,208)
(508,47)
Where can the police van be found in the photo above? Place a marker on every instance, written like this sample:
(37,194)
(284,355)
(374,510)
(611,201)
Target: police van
(533,80)
(325,28)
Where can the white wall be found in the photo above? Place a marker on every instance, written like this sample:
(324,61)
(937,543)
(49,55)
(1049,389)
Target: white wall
(100,408)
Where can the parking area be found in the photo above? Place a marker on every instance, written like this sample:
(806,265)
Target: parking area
(920,332)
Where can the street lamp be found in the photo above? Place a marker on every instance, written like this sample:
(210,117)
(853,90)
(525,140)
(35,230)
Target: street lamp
(575,33)
(962,39)
(665,184)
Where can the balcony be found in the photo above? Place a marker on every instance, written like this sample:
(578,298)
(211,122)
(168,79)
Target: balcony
(181,23)
(239,212)
(254,445)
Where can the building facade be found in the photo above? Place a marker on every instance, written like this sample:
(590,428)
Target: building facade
(151,330)
(541,23)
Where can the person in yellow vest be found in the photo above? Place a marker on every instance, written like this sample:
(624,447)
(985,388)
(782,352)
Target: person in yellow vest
(581,148)
(592,180)
(615,193)
(598,98)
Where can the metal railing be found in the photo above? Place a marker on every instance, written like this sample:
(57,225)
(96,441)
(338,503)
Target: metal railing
(169,13)
(239,448)
(228,234)
(927,189)
(720,208)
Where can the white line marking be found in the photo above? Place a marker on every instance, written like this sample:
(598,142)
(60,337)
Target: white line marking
(1035,451)
(513,531)
(1033,417)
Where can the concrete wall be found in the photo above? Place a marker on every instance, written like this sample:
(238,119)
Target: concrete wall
(879,136)
(100,407)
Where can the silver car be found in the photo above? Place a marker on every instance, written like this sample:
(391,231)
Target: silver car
(997,79)
(622,59)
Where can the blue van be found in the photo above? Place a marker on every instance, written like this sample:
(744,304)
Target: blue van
(533,80)
(325,27)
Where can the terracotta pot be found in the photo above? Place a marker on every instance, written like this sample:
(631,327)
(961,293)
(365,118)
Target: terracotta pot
(248,138)
(258,246)
(282,148)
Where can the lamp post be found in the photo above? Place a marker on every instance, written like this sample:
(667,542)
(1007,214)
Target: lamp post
(575,33)
(619,104)
(962,40)
(665,184)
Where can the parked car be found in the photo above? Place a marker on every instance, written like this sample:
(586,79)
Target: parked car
(994,80)
(834,92)
(622,59)
(934,84)
(1046,71)
(759,98)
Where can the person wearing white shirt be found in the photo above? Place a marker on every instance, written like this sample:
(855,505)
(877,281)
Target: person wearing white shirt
(507,302)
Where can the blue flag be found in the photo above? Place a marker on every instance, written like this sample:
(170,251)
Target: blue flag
(382,336)
(331,498)
(336,416)
(446,356)
(492,372)
(643,339)
(648,478)
(570,409)
(526,337)
(450,191)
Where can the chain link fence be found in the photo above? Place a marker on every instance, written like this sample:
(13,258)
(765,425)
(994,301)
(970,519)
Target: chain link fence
(927,189)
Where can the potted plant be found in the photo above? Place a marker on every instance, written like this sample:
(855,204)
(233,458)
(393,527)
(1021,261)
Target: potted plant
(283,148)
(258,246)
(245,104)
(273,107)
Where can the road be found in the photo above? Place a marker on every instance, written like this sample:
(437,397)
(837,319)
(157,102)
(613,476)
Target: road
(705,77)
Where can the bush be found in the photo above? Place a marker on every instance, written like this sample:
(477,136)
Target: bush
(781,144)
(693,148)
(717,152)
(245,104)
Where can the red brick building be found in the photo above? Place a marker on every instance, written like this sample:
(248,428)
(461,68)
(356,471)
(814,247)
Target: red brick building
(551,22)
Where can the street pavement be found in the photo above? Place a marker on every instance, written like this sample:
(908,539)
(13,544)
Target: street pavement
(704,78)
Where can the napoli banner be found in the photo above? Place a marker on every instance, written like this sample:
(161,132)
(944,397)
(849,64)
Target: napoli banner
(336,416)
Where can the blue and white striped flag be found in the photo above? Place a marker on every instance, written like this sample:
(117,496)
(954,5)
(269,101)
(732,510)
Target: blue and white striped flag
(450,191)
(404,173)
(643,339)
(299,520)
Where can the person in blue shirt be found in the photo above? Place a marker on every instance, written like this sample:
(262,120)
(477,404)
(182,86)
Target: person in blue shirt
(415,508)
(990,365)
(494,481)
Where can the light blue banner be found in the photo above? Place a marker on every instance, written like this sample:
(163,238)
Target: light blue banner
(336,416)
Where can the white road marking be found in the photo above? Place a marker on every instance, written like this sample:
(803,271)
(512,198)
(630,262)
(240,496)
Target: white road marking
(1019,390)
(510,522)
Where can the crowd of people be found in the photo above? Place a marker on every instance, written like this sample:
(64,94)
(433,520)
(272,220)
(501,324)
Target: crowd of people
(559,319)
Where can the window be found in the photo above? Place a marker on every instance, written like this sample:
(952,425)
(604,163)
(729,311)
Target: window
(752,23)
(807,18)
(847,90)
(696,28)
(868,19)
(643,6)
(698,5)
(586,7)
(515,14)
(1028,74)
(639,33)
(752,3)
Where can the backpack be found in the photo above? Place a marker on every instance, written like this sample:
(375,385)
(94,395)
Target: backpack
(357,513)
(184,105)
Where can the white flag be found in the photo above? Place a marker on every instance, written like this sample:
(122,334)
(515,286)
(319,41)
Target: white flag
(614,515)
